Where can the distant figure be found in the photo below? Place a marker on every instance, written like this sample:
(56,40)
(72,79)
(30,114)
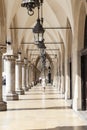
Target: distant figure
(40,80)
(43,84)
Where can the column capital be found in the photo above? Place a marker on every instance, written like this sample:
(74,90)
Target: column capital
(10,57)
(2,48)
(19,62)
(22,62)
(25,62)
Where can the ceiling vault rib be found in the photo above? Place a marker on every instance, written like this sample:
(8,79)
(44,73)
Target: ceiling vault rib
(43,27)
(44,43)
(46,49)
(38,54)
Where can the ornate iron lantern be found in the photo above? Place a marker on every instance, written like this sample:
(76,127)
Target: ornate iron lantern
(38,32)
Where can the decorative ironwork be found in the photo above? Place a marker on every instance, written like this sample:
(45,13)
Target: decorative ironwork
(31,5)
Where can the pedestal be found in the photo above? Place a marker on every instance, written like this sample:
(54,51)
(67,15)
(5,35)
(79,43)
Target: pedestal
(12,96)
(3,106)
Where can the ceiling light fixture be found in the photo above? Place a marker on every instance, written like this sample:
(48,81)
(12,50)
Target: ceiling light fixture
(31,5)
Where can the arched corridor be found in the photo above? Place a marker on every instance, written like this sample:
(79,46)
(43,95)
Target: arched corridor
(39,110)
(43,45)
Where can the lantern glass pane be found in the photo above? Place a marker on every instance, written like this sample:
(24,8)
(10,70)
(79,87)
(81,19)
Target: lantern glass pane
(38,37)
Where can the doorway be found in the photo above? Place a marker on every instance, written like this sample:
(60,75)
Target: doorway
(49,77)
(84,81)
(70,80)
(84,69)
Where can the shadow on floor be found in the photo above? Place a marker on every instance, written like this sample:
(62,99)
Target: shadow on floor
(47,108)
(40,93)
(65,128)
(59,98)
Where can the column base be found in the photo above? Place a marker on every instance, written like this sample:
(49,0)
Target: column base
(26,88)
(76,104)
(12,96)
(49,84)
(3,106)
(29,86)
(20,92)
(67,96)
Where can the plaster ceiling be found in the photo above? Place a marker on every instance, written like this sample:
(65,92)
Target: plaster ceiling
(56,13)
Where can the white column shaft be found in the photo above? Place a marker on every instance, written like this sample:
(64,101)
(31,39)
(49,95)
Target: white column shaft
(10,76)
(18,76)
(76,63)
(23,76)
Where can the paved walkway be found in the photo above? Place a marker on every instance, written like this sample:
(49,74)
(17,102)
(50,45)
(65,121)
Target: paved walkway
(39,110)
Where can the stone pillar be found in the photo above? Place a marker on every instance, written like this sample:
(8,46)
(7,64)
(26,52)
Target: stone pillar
(67,78)
(62,79)
(18,78)
(61,72)
(27,76)
(24,85)
(67,83)
(23,76)
(55,75)
(3,105)
(10,78)
(76,77)
(33,74)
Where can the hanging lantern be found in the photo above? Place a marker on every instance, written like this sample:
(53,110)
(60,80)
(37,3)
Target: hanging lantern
(38,32)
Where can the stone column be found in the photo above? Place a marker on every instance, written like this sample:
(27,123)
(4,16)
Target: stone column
(62,80)
(62,73)
(67,77)
(32,74)
(76,78)
(23,76)
(18,77)
(55,74)
(24,85)
(3,105)
(27,76)
(10,78)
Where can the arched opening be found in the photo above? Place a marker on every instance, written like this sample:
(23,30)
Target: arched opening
(49,73)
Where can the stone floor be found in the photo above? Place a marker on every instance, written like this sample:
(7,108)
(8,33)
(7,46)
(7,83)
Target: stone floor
(39,110)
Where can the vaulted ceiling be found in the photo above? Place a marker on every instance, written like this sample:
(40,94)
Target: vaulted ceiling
(56,13)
